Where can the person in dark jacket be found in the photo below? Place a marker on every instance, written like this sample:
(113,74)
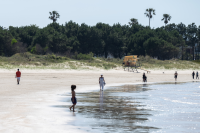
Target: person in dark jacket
(144,77)
(197,75)
(193,74)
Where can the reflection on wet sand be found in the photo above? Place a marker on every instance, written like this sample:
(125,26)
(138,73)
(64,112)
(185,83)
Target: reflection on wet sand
(114,109)
(160,107)
(101,100)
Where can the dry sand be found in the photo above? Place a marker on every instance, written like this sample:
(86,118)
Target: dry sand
(28,107)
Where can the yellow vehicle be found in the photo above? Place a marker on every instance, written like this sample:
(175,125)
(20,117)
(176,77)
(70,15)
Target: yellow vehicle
(131,61)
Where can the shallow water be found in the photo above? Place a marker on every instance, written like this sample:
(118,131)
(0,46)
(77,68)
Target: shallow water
(165,107)
(176,107)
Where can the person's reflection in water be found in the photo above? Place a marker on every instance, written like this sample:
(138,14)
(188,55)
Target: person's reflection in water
(74,114)
(144,85)
(101,100)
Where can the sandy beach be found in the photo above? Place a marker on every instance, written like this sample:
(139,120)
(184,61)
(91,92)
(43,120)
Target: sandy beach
(27,107)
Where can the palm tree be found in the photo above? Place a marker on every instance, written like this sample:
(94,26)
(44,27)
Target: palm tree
(192,37)
(54,15)
(149,13)
(133,21)
(166,18)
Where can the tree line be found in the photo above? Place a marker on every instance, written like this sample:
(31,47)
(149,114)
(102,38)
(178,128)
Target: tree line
(102,40)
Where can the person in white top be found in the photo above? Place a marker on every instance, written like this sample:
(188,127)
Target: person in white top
(101,82)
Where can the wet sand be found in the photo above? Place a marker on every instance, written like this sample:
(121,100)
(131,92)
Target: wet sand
(111,110)
(28,107)
(157,107)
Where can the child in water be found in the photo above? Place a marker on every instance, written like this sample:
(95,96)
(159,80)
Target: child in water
(73,99)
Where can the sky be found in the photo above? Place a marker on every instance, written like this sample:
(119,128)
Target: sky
(36,12)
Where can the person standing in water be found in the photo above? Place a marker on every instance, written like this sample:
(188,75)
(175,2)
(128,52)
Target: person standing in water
(101,82)
(18,75)
(144,77)
(175,75)
(193,74)
(197,75)
(73,99)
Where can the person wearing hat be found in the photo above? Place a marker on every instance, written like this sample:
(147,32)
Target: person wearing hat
(101,82)
(18,75)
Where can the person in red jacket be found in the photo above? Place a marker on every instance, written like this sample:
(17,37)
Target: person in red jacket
(18,75)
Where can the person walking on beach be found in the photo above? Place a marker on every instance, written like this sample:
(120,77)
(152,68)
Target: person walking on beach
(101,82)
(197,75)
(193,74)
(144,77)
(175,75)
(18,75)
(73,99)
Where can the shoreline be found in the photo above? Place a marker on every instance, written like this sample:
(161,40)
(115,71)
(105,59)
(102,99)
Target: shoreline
(66,96)
(94,95)
(24,107)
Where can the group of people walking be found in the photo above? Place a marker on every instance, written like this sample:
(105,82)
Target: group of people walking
(144,77)
(193,75)
(197,75)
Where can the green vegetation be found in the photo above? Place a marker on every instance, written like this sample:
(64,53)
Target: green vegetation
(13,41)
(51,61)
(133,22)
(77,42)
(54,15)
(84,56)
(150,63)
(72,39)
(102,40)
(149,13)
(87,62)
(166,18)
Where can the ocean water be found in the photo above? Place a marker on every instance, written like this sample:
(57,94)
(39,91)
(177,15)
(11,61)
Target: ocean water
(175,107)
(159,107)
